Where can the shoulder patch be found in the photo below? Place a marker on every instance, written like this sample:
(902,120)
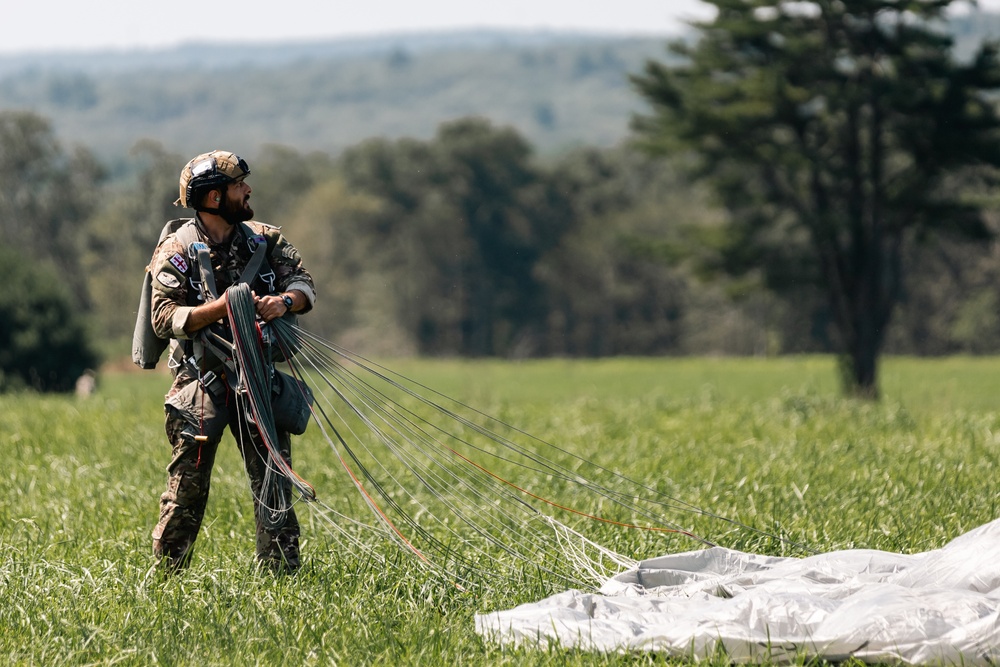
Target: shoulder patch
(179,262)
(167,279)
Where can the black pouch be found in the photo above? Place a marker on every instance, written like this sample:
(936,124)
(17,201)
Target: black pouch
(291,400)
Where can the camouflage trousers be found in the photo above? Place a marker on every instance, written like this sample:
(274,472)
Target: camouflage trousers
(192,411)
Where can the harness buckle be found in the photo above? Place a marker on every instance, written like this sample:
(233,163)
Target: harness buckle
(256,240)
(195,247)
(269,279)
(197,285)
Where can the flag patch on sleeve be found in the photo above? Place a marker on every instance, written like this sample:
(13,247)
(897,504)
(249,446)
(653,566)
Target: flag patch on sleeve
(179,262)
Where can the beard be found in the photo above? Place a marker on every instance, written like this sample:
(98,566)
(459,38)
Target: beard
(233,211)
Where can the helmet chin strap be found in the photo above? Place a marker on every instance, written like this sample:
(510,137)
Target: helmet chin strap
(218,210)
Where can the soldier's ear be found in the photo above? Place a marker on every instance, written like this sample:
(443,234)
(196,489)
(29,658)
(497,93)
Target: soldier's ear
(211,198)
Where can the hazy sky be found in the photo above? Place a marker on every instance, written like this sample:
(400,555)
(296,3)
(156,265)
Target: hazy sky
(44,25)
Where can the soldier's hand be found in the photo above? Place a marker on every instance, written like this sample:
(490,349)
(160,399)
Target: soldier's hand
(270,307)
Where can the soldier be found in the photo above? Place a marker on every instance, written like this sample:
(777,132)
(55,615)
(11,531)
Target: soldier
(200,403)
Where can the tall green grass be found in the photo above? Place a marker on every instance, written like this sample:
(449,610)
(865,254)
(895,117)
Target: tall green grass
(769,443)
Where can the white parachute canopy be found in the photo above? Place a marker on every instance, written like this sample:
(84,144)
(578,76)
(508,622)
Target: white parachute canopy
(941,606)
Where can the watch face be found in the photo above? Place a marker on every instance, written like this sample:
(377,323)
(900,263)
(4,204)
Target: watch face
(288,302)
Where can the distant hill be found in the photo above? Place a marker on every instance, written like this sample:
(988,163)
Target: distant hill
(559,90)
(227,55)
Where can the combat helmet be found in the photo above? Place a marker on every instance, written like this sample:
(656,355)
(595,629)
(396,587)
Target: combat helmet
(207,171)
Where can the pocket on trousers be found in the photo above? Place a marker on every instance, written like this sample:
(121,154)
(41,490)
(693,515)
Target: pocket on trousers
(198,408)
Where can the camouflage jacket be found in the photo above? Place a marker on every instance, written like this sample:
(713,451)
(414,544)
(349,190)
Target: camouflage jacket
(174,295)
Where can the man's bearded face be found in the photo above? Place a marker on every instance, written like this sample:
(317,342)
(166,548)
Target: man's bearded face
(235,206)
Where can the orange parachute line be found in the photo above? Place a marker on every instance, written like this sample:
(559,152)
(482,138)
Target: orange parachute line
(551,503)
(371,501)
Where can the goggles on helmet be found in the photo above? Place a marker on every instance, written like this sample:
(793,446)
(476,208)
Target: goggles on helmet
(209,166)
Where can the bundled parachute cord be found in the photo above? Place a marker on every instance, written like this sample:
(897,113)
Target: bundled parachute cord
(254,387)
(394,437)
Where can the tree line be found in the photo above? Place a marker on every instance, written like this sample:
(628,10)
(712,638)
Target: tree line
(463,245)
(807,180)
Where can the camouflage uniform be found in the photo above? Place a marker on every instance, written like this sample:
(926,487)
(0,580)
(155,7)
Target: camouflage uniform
(193,409)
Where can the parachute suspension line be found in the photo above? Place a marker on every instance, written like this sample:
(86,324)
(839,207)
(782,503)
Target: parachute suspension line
(433,479)
(564,473)
(254,391)
(394,436)
(331,362)
(622,498)
(370,477)
(288,346)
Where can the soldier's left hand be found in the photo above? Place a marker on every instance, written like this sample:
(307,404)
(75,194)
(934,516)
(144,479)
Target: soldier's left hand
(270,307)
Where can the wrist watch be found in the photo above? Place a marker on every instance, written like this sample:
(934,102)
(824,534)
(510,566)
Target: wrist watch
(287,300)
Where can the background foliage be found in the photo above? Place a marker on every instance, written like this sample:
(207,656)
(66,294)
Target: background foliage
(479,224)
(44,342)
(559,90)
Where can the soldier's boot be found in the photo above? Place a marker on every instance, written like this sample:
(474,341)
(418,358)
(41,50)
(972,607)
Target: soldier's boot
(170,559)
(278,553)
(176,556)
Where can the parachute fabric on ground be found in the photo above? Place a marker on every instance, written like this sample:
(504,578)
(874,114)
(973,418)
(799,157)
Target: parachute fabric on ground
(937,607)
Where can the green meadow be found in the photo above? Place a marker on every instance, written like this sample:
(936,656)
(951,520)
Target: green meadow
(770,443)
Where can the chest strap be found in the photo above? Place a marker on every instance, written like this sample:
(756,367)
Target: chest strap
(256,261)
(206,340)
(201,257)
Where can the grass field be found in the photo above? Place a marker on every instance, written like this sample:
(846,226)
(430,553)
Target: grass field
(769,443)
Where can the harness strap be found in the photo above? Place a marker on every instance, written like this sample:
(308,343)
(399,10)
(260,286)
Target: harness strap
(253,266)
(201,256)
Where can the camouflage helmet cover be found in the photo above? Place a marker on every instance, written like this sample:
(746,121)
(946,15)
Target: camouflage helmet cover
(209,170)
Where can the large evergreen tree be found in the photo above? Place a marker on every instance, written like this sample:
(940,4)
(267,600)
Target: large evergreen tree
(831,128)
